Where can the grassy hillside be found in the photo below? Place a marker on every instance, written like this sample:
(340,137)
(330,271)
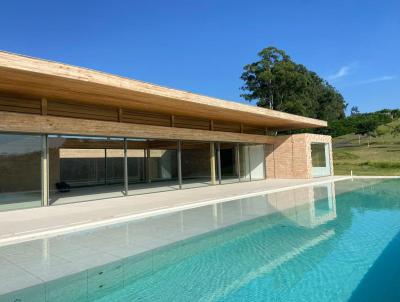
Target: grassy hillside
(381,158)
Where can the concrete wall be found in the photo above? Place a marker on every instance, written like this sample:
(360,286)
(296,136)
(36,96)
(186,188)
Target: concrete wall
(290,155)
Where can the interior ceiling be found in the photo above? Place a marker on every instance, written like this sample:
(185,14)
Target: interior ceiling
(61,88)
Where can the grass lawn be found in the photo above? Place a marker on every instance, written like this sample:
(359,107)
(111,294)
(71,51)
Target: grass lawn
(382,157)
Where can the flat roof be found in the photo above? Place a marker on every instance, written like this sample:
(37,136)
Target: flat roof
(52,80)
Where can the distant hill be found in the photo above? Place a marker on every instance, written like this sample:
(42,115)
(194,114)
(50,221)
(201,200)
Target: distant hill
(382,157)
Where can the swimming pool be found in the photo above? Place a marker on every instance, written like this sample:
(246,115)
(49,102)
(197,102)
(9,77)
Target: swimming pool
(337,241)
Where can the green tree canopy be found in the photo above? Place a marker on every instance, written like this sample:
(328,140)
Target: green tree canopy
(277,82)
(366,126)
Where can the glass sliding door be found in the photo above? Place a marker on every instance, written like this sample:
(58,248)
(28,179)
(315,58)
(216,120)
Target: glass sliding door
(228,162)
(136,153)
(163,161)
(84,168)
(257,161)
(252,162)
(196,164)
(244,162)
(114,173)
(154,165)
(20,169)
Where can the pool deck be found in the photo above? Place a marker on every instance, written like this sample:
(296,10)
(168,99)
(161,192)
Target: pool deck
(29,224)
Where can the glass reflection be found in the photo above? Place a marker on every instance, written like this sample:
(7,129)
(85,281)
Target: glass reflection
(152,166)
(84,168)
(318,155)
(90,168)
(257,160)
(244,159)
(320,159)
(196,164)
(20,162)
(252,162)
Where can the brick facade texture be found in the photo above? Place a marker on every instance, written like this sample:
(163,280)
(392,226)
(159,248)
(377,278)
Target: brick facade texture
(290,155)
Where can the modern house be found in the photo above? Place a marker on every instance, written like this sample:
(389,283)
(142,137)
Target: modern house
(70,134)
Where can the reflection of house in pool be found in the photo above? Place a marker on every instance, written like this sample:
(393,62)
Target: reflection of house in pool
(309,206)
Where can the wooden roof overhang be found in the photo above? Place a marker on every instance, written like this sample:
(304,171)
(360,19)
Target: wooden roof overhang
(46,79)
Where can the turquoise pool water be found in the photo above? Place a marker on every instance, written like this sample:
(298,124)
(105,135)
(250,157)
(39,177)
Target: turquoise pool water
(333,242)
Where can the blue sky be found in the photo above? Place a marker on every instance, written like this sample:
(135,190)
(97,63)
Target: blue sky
(201,46)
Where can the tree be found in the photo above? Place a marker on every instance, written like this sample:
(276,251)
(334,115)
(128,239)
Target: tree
(366,127)
(354,111)
(276,82)
(261,77)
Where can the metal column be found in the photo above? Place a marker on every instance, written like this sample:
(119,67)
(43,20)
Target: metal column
(179,158)
(248,158)
(265,161)
(105,166)
(126,167)
(238,160)
(219,163)
(148,178)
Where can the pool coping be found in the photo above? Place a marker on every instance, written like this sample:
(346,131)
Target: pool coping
(371,176)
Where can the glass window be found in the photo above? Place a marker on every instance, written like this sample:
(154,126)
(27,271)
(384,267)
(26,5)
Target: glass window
(196,164)
(163,161)
(257,160)
(136,162)
(85,168)
(244,160)
(20,168)
(318,155)
(320,160)
(152,166)
(252,161)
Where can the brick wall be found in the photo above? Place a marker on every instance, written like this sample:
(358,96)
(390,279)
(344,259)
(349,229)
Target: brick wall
(290,155)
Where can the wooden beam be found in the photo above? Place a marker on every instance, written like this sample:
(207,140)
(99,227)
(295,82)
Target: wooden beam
(172,120)
(211,125)
(43,106)
(212,164)
(31,123)
(120,113)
